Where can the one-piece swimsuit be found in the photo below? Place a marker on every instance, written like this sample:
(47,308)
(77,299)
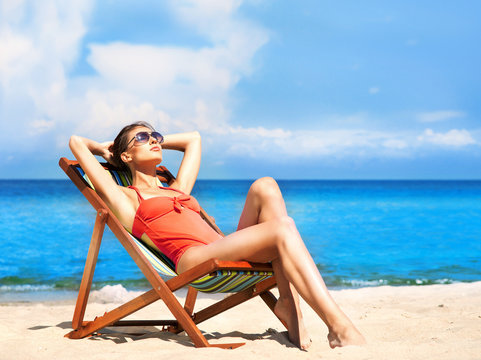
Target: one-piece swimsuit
(173,224)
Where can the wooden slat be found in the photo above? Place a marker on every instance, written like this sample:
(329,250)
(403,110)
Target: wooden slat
(114,315)
(233,300)
(146,323)
(190,275)
(190,300)
(89,269)
(242,266)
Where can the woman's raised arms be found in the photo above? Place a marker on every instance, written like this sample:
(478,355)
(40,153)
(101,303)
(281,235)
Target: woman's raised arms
(190,144)
(84,150)
(119,200)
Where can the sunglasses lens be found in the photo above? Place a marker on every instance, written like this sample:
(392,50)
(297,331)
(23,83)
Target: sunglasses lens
(158,137)
(142,137)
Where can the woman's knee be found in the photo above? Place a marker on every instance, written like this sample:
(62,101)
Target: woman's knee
(265,186)
(285,230)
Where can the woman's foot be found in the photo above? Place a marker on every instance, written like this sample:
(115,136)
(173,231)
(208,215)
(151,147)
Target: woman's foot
(344,336)
(291,316)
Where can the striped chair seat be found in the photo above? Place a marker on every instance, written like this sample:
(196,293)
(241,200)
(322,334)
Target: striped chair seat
(216,282)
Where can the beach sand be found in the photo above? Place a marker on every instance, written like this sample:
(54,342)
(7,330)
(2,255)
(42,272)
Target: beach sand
(422,322)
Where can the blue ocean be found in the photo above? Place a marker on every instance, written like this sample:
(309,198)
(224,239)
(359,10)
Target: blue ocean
(360,233)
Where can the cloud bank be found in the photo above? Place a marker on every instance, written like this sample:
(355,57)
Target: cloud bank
(176,88)
(441,115)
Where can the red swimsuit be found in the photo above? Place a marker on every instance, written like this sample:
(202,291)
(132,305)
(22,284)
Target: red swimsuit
(172,223)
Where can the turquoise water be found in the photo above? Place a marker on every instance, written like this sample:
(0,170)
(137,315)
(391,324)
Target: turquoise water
(360,233)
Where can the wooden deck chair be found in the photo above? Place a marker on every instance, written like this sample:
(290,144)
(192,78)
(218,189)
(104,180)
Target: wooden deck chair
(245,280)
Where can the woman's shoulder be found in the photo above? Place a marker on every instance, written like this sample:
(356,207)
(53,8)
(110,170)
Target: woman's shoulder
(179,187)
(125,207)
(131,194)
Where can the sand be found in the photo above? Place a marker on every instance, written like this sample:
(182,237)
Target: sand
(423,322)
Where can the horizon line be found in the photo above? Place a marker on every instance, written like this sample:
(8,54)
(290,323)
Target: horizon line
(279,179)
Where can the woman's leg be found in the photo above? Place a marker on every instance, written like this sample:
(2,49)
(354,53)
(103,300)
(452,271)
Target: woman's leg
(278,240)
(288,308)
(264,202)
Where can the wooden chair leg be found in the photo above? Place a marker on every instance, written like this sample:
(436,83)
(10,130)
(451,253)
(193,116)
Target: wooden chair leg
(111,317)
(233,300)
(89,269)
(190,300)
(184,319)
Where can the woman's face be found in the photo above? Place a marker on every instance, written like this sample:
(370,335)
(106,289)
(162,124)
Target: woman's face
(142,150)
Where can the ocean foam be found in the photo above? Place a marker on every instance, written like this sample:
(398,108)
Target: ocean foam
(113,294)
(25,288)
(398,282)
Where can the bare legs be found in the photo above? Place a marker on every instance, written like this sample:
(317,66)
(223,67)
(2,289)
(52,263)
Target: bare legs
(264,202)
(266,233)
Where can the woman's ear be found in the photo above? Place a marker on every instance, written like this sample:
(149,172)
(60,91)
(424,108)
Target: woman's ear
(125,157)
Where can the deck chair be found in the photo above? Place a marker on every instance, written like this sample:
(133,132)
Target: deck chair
(243,279)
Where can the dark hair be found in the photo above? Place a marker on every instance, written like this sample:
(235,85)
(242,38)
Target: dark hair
(121,141)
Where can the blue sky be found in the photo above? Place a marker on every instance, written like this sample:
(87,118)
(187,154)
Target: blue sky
(308,89)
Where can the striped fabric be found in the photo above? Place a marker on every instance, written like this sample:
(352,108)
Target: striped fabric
(229,281)
(159,261)
(216,282)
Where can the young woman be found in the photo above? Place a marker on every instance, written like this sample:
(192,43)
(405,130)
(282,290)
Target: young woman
(169,217)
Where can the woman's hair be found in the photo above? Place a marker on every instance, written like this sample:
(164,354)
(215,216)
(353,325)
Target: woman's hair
(122,140)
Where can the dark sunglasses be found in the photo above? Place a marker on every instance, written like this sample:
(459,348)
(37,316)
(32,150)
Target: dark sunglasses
(144,136)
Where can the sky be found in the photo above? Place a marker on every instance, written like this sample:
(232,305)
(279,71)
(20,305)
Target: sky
(291,89)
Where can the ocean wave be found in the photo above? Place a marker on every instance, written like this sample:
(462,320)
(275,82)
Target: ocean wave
(113,294)
(26,288)
(122,292)
(357,283)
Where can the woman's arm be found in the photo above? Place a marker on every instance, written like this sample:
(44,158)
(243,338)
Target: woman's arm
(190,144)
(84,150)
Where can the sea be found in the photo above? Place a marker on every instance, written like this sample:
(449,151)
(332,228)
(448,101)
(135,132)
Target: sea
(359,233)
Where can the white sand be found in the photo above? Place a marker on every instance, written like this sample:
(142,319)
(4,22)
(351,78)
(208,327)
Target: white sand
(428,322)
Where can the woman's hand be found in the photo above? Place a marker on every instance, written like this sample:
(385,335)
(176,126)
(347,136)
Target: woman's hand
(84,150)
(106,151)
(190,144)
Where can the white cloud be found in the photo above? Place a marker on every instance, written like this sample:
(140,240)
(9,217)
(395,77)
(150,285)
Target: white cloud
(109,111)
(151,68)
(16,54)
(453,137)
(40,126)
(220,21)
(260,131)
(39,43)
(373,90)
(275,143)
(278,143)
(395,144)
(441,115)
(175,87)
(189,86)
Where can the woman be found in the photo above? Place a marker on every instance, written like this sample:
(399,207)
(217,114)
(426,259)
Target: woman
(169,218)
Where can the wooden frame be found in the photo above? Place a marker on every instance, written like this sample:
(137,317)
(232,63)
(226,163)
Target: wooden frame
(185,317)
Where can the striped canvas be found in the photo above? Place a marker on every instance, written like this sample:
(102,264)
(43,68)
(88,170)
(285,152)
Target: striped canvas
(216,282)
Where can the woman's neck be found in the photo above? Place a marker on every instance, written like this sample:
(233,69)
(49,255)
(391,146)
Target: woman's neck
(145,180)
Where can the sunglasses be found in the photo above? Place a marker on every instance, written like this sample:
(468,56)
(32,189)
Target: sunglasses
(143,136)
